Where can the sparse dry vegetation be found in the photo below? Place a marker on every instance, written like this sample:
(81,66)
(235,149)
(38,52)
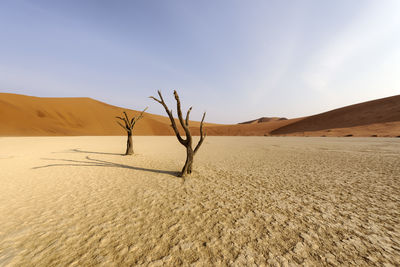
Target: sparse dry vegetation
(128,127)
(190,152)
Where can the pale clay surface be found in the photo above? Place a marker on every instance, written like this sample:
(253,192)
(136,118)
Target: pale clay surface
(251,201)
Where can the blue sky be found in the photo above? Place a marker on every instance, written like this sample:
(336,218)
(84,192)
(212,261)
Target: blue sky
(237,60)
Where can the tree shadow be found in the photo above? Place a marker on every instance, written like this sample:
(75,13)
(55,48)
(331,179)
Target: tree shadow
(101,163)
(76,150)
(94,152)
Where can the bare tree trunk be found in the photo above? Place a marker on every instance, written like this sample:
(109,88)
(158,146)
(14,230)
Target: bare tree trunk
(187,168)
(128,126)
(129,146)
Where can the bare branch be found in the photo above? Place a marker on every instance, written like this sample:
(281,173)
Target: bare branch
(126,116)
(124,120)
(202,136)
(159,93)
(171,118)
(141,114)
(135,119)
(187,168)
(187,116)
(179,111)
(128,128)
(127,121)
(201,123)
(152,97)
(121,125)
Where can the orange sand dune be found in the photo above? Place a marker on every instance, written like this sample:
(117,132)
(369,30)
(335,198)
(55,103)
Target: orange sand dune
(254,129)
(374,118)
(263,119)
(378,117)
(34,116)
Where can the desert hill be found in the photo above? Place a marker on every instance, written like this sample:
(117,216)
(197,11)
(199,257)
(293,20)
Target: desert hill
(263,119)
(260,129)
(378,117)
(22,115)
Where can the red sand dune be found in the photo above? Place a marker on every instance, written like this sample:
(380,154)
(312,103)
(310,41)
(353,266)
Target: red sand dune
(378,117)
(263,119)
(33,116)
(263,128)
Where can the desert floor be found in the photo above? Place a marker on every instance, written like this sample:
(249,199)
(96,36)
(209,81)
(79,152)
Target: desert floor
(251,201)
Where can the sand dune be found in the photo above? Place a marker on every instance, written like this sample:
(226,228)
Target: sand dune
(253,129)
(263,119)
(251,201)
(32,116)
(26,115)
(383,113)
(36,116)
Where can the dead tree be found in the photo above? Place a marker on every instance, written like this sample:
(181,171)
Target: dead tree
(129,123)
(187,168)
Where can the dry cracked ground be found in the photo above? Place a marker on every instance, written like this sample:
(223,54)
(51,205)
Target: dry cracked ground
(251,201)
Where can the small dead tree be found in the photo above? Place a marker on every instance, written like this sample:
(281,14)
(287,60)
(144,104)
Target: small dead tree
(129,123)
(187,168)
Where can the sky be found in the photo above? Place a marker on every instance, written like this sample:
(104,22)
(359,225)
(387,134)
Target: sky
(237,60)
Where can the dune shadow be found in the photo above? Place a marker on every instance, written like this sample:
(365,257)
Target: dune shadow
(100,163)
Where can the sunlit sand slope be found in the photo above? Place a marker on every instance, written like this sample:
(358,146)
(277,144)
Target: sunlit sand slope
(251,200)
(378,117)
(32,116)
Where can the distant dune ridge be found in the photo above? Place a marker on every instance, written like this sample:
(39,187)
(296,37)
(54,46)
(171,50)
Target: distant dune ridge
(382,115)
(22,115)
(263,119)
(35,116)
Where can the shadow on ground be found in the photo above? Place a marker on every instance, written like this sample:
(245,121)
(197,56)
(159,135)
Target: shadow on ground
(76,150)
(100,163)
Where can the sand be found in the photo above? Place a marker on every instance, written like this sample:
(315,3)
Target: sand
(23,115)
(251,201)
(40,116)
(382,114)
